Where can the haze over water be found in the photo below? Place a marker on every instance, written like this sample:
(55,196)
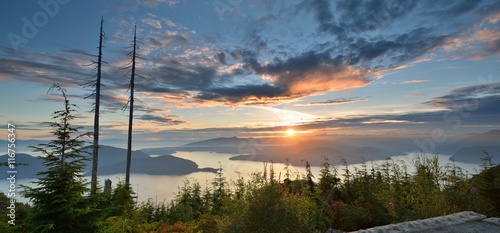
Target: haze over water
(164,187)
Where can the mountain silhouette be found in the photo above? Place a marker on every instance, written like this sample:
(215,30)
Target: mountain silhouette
(112,161)
(470,149)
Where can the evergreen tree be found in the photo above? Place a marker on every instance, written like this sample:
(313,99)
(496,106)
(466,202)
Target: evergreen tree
(220,190)
(488,186)
(328,182)
(122,201)
(59,204)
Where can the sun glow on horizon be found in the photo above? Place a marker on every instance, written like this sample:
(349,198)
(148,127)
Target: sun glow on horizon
(290,132)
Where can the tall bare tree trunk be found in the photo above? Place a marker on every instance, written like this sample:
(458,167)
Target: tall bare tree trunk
(95,152)
(131,112)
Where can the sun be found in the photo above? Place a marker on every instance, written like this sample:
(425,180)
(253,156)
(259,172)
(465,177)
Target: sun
(290,132)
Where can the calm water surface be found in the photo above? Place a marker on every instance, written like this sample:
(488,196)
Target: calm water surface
(164,188)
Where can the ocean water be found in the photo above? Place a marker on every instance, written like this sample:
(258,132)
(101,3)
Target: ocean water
(164,188)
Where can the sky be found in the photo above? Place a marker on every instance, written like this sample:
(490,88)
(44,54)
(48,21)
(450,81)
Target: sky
(255,68)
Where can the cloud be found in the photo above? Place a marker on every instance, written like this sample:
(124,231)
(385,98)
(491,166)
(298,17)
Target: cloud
(55,97)
(172,2)
(392,53)
(112,102)
(221,57)
(306,75)
(415,95)
(181,76)
(350,61)
(310,73)
(152,22)
(393,30)
(415,81)
(383,121)
(210,83)
(475,44)
(354,43)
(164,119)
(5,76)
(455,113)
(355,17)
(144,110)
(170,23)
(314,71)
(168,38)
(482,38)
(156,3)
(482,99)
(41,67)
(335,101)
(493,49)
(345,63)
(325,17)
(494,17)
(474,105)
(287,78)
(133,5)
(244,94)
(285,117)
(452,9)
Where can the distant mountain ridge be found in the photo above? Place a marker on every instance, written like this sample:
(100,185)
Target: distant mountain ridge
(112,161)
(34,165)
(279,150)
(220,141)
(111,155)
(156,166)
(232,145)
(315,151)
(474,154)
(354,149)
(471,148)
